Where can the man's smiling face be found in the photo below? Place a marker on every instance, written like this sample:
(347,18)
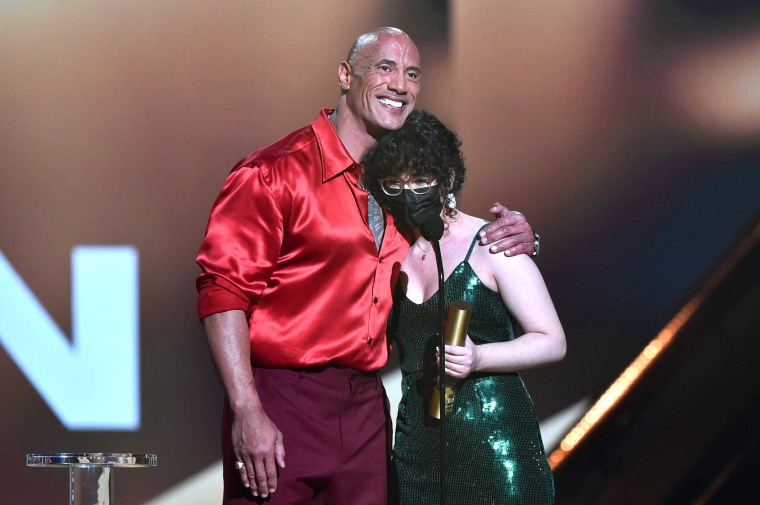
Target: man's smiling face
(384,82)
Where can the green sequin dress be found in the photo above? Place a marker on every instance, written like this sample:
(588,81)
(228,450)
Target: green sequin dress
(494,450)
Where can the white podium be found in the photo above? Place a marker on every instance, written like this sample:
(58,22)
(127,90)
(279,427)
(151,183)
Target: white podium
(91,474)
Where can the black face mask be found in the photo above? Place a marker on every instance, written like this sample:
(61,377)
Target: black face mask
(413,208)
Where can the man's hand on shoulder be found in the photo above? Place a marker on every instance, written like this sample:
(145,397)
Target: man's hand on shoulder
(510,232)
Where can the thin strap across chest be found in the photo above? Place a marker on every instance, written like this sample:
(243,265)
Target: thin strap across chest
(474,241)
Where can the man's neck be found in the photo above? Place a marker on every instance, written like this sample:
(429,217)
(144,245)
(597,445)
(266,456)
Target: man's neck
(351,133)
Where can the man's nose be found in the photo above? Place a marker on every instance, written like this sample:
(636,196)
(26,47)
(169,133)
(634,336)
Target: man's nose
(398,83)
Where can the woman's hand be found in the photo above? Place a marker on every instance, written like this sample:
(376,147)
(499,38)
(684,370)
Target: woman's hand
(461,361)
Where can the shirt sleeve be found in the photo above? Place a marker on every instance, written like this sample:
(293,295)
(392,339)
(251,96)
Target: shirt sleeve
(242,243)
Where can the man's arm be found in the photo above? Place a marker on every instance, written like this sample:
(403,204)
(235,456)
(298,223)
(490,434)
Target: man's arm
(256,441)
(510,232)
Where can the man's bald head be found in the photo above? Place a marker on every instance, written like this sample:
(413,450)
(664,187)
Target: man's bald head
(369,39)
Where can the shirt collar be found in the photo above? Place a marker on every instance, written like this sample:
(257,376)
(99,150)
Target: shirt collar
(335,157)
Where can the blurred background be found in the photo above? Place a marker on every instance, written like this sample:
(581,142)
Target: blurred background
(628,132)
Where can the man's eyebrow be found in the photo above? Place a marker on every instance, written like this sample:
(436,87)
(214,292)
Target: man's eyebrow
(386,61)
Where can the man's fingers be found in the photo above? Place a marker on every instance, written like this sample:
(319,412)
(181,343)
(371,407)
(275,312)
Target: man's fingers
(279,452)
(260,486)
(497,208)
(243,472)
(510,248)
(501,212)
(508,242)
(271,476)
(501,228)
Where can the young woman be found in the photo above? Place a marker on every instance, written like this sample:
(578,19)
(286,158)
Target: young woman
(495,454)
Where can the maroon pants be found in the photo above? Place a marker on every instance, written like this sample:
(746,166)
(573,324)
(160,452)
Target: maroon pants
(335,427)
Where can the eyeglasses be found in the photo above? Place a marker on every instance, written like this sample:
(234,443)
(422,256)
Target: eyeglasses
(418,184)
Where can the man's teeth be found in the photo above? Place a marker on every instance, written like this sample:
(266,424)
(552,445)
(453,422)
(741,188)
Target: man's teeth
(392,103)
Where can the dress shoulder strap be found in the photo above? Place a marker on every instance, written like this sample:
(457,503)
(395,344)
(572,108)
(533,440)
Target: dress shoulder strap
(474,241)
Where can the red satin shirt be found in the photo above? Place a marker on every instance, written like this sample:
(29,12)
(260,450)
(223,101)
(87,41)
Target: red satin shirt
(288,243)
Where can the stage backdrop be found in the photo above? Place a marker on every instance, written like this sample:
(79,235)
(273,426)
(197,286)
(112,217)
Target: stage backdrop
(626,131)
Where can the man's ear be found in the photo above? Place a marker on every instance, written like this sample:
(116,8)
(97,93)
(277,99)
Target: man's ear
(344,75)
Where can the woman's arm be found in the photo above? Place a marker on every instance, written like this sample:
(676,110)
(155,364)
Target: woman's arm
(523,291)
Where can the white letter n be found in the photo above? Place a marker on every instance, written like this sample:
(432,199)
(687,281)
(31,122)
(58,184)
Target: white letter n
(94,382)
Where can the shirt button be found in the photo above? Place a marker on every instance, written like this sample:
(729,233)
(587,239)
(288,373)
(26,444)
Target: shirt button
(369,341)
(374,299)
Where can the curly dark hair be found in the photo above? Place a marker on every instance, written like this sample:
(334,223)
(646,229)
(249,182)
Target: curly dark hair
(422,146)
